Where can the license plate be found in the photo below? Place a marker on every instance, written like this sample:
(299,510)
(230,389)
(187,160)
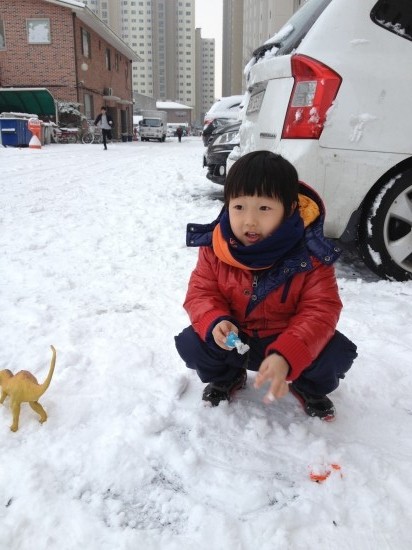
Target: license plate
(255,102)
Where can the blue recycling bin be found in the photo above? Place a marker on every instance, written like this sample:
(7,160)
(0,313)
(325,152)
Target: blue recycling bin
(14,132)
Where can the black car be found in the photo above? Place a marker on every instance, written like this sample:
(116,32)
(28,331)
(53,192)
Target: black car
(223,140)
(212,126)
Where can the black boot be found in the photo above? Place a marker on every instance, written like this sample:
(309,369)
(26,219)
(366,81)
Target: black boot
(314,405)
(215,392)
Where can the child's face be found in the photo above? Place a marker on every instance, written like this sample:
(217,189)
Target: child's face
(254,218)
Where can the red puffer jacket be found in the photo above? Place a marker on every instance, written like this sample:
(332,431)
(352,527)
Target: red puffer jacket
(303,310)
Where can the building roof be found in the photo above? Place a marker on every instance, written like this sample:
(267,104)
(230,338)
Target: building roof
(172,105)
(94,22)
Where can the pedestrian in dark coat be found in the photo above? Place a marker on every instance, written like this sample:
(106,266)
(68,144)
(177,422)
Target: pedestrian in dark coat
(106,124)
(179,133)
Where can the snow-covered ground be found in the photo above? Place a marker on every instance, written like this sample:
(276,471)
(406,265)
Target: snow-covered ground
(93,261)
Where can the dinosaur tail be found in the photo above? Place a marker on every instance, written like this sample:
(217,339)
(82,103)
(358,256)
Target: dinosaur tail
(46,383)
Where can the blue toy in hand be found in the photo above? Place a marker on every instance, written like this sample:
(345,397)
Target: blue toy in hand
(233,341)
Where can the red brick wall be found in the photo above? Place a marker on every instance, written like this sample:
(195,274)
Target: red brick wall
(58,66)
(50,66)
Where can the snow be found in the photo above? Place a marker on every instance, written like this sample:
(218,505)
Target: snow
(74,3)
(93,261)
(358,122)
(171,105)
(378,200)
(229,108)
(281,35)
(359,41)
(395,27)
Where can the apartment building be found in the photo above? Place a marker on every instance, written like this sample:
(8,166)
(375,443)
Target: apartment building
(162,33)
(246,25)
(232,48)
(205,76)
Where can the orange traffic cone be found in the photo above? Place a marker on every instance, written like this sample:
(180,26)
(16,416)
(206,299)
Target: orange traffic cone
(34,142)
(34,126)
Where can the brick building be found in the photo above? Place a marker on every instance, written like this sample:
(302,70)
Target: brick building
(62,46)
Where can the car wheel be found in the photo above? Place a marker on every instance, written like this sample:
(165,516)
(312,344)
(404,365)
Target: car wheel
(385,230)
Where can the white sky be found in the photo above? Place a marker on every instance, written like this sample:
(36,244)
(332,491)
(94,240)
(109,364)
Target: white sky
(209,15)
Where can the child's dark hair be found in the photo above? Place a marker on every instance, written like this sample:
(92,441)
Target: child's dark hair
(263,173)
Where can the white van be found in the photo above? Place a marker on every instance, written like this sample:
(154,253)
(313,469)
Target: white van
(331,93)
(153,125)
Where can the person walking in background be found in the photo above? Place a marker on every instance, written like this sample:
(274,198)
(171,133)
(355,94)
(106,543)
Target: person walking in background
(106,124)
(179,133)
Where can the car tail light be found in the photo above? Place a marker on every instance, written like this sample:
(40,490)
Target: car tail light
(314,90)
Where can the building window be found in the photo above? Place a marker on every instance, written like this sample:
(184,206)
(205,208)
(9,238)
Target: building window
(86,50)
(88,106)
(108,60)
(116,61)
(2,36)
(38,31)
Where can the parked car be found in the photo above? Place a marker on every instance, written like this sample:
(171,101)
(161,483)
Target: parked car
(222,112)
(223,140)
(329,92)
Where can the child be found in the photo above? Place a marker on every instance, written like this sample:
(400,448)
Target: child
(265,272)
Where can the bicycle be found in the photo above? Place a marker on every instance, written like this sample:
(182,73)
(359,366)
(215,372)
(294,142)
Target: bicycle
(93,135)
(65,135)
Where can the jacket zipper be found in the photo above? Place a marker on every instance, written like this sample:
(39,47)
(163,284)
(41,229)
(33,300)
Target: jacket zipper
(255,282)
(254,286)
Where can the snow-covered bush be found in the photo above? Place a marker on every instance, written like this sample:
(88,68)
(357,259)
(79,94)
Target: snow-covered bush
(69,114)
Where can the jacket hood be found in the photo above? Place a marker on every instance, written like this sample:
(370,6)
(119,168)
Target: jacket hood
(307,196)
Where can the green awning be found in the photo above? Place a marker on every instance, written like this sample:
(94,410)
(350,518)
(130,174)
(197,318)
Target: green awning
(34,101)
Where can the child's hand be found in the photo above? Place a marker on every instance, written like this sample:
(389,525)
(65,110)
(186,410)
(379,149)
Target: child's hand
(273,369)
(221,332)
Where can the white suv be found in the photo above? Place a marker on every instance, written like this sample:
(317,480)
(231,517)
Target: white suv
(331,92)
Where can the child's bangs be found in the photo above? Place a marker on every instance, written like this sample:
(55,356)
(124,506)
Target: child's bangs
(249,185)
(262,173)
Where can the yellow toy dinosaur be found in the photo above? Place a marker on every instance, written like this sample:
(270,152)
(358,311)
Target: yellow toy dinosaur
(23,387)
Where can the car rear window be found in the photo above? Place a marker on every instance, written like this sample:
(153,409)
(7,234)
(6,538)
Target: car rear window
(295,30)
(394,16)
